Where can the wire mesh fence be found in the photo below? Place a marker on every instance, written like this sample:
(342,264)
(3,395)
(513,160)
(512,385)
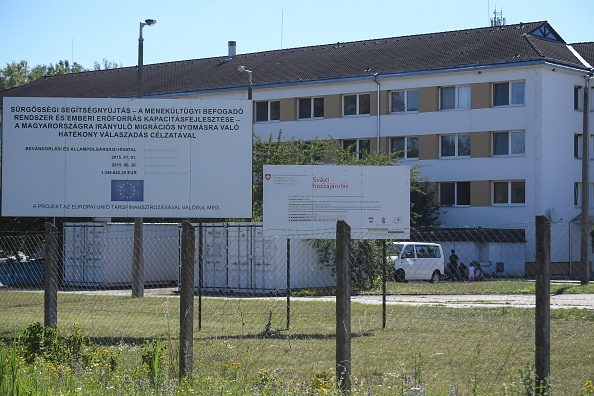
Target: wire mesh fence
(269,303)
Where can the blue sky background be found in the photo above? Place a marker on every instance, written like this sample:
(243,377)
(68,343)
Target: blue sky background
(44,32)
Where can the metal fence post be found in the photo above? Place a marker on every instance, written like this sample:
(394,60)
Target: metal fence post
(51,274)
(343,305)
(542,336)
(186,301)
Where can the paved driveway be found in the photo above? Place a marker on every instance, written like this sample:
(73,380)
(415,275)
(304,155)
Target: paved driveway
(585,301)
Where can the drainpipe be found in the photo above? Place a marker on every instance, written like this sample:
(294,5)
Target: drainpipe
(377,145)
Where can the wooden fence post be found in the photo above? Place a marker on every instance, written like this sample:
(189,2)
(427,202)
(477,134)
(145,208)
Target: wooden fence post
(51,275)
(186,301)
(542,336)
(343,305)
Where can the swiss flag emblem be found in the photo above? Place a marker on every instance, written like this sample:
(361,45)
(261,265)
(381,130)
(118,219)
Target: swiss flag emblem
(268,176)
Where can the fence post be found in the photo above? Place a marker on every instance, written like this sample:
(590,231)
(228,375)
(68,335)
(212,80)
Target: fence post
(138,259)
(343,305)
(200,272)
(542,336)
(186,300)
(288,283)
(51,281)
(384,280)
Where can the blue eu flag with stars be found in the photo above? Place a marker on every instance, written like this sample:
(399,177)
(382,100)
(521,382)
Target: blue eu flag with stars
(127,190)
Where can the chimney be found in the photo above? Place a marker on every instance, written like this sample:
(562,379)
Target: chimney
(232,50)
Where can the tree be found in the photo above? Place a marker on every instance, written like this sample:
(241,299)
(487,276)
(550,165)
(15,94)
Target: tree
(107,65)
(19,73)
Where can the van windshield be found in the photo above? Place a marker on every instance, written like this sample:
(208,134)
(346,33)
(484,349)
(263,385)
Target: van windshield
(395,249)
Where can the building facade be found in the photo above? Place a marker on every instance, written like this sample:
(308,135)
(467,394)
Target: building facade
(493,117)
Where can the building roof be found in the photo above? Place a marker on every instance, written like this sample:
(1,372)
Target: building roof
(479,47)
(479,235)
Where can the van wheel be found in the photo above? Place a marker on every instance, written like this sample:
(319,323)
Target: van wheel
(399,275)
(436,277)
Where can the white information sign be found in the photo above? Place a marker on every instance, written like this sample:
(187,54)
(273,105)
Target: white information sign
(307,201)
(74,157)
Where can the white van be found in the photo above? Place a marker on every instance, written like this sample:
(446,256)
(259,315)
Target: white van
(417,261)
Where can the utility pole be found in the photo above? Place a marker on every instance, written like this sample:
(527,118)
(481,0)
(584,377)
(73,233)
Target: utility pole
(585,223)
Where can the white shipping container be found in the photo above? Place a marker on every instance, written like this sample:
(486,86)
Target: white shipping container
(100,254)
(238,257)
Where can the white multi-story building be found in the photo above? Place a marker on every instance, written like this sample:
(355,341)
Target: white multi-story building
(493,116)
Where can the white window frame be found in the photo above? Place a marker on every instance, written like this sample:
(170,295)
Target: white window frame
(458,103)
(456,146)
(269,104)
(510,141)
(358,146)
(509,193)
(456,188)
(510,93)
(357,105)
(405,152)
(406,93)
(312,107)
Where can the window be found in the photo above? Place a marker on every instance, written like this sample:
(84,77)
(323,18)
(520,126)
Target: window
(455,145)
(268,111)
(509,192)
(509,143)
(577,195)
(508,93)
(578,148)
(454,98)
(454,194)
(359,146)
(404,101)
(405,147)
(578,98)
(577,145)
(356,104)
(310,108)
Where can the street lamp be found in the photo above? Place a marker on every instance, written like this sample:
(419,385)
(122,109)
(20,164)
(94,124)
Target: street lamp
(140,85)
(249,72)
(138,250)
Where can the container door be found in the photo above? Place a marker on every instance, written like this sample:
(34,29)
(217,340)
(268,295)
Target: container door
(214,257)
(93,268)
(263,261)
(240,257)
(73,254)
(83,244)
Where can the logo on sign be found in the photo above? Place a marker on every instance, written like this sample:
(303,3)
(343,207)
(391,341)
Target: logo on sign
(268,176)
(127,190)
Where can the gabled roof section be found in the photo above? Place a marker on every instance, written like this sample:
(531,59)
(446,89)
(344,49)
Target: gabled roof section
(546,32)
(586,50)
(426,53)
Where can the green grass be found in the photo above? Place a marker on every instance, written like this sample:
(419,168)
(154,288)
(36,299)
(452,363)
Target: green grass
(478,351)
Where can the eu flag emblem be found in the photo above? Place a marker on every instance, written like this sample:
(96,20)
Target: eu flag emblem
(127,190)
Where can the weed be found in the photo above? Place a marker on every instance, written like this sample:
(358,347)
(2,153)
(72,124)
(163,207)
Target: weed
(152,355)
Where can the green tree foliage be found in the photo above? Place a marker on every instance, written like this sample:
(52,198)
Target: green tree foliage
(106,65)
(19,73)
(281,151)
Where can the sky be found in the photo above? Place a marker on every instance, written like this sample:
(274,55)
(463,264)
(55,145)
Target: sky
(43,32)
